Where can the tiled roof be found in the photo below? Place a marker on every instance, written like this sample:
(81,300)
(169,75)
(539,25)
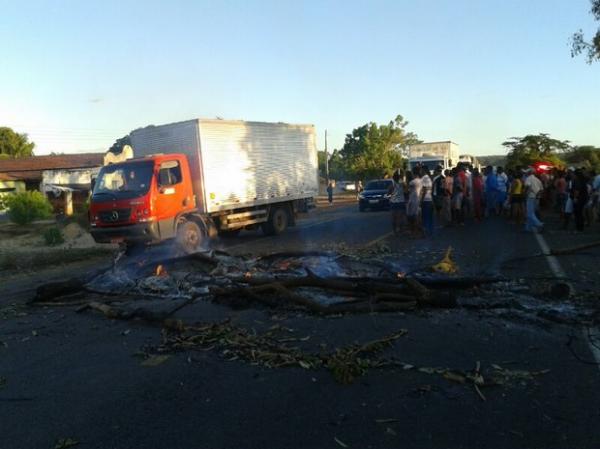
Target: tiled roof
(30,168)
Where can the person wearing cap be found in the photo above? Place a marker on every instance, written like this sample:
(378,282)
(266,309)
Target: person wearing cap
(533,188)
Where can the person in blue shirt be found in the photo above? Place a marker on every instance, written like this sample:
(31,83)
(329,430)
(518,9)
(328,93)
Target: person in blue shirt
(491,191)
(501,195)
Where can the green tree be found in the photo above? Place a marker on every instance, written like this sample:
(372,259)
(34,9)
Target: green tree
(13,144)
(372,150)
(321,158)
(583,156)
(337,166)
(524,151)
(579,44)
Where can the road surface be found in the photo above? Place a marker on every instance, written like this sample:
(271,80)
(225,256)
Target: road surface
(70,375)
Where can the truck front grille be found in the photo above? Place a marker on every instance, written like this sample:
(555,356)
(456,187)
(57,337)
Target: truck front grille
(115,215)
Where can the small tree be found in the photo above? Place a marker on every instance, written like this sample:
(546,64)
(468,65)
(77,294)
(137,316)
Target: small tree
(583,156)
(25,207)
(524,151)
(13,144)
(372,150)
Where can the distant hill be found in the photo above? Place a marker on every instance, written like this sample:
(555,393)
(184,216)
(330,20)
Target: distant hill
(495,160)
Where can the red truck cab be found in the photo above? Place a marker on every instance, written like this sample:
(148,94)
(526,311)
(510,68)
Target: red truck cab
(145,200)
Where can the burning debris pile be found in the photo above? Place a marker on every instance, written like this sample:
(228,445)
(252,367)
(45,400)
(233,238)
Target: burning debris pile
(318,282)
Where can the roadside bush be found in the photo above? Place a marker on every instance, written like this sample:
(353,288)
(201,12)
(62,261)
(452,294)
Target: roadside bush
(81,215)
(53,236)
(25,207)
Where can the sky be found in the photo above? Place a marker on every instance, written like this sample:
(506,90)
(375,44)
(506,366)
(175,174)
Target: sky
(77,75)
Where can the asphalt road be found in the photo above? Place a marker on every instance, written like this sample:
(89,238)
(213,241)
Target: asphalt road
(77,375)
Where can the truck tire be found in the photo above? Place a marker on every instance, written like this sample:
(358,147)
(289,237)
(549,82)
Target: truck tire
(189,237)
(278,222)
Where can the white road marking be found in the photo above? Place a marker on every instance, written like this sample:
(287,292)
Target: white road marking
(560,273)
(552,260)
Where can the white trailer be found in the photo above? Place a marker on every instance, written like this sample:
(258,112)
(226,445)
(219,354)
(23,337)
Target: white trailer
(239,169)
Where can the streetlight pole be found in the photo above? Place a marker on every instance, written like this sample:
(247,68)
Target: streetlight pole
(326,159)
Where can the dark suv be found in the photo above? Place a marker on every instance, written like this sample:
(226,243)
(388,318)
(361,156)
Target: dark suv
(375,195)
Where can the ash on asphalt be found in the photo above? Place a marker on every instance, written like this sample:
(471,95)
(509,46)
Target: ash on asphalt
(81,378)
(80,375)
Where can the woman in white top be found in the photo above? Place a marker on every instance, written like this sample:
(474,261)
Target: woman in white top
(397,204)
(413,207)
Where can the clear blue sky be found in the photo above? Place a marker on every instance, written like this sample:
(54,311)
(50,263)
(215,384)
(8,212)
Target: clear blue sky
(76,75)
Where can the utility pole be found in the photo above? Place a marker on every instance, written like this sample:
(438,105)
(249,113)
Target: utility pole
(326,159)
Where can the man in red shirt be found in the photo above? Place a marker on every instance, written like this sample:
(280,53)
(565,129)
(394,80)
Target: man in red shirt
(561,193)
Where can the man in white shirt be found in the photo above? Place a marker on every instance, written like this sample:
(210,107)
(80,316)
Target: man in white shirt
(426,202)
(502,181)
(533,188)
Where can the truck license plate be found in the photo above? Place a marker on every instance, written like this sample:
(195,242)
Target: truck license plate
(373,201)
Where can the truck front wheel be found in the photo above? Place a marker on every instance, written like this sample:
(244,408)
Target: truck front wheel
(278,222)
(189,237)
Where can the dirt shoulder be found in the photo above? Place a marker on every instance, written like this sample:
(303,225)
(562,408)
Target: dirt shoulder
(26,259)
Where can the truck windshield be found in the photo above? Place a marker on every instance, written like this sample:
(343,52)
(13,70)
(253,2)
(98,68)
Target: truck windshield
(123,181)
(430,164)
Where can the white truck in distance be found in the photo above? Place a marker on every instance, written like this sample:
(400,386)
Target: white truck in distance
(433,154)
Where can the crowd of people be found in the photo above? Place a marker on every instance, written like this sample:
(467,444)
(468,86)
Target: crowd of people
(423,200)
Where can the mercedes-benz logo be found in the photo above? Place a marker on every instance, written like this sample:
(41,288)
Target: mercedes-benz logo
(114,216)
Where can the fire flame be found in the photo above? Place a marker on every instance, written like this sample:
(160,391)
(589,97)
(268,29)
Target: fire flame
(161,271)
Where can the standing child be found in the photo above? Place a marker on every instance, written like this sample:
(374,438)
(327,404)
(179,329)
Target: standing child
(330,193)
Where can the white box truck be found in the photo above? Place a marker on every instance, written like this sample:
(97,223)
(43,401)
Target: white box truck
(192,178)
(433,154)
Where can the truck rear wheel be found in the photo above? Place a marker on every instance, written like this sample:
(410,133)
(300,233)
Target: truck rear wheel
(278,222)
(189,237)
